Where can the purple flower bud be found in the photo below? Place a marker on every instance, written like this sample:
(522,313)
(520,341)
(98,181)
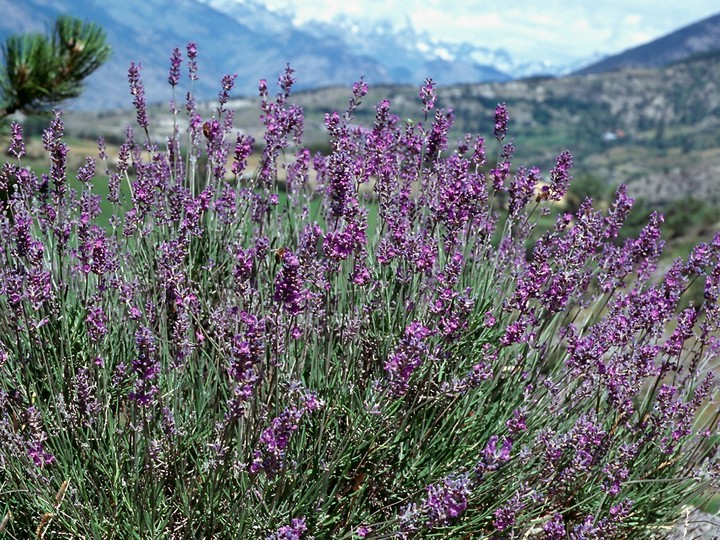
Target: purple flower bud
(501,121)
(407,357)
(554,529)
(228,81)
(505,515)
(243,149)
(87,171)
(17,146)
(286,80)
(294,531)
(84,400)
(96,322)
(288,284)
(518,422)
(447,499)
(560,176)
(427,95)
(37,437)
(174,72)
(270,455)
(137,90)
(192,62)
(360,89)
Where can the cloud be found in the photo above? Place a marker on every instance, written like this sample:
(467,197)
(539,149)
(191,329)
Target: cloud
(527,28)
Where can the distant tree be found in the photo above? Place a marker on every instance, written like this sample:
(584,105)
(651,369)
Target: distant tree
(38,71)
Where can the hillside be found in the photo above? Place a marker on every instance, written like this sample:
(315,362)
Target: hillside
(657,130)
(700,37)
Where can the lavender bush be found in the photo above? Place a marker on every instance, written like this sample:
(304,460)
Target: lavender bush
(230,359)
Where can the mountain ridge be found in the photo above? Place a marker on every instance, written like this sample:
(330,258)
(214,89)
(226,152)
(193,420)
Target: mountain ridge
(249,39)
(697,38)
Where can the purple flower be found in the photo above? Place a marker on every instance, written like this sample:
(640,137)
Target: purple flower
(168,423)
(39,287)
(37,437)
(17,146)
(522,189)
(447,499)
(288,284)
(493,456)
(506,515)
(519,331)
(37,453)
(294,531)
(518,422)
(297,172)
(683,330)
(586,530)
(501,121)
(145,366)
(243,149)
(360,90)
(478,157)
(560,176)
(247,350)
(174,72)
(137,90)
(339,245)
(427,95)
(228,81)
(96,322)
(192,62)
(438,138)
(360,274)
(87,171)
(52,142)
(22,231)
(286,80)
(554,529)
(270,454)
(407,357)
(499,175)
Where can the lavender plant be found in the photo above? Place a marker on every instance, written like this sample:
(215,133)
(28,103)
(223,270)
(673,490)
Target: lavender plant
(230,358)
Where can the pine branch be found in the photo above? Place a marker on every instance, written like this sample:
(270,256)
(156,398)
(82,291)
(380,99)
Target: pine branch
(38,72)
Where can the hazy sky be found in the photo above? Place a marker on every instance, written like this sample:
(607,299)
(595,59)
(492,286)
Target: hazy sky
(529,29)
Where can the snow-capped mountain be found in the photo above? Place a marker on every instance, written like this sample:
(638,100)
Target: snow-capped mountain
(408,54)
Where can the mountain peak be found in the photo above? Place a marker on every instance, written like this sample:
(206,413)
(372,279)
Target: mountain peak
(700,37)
(248,38)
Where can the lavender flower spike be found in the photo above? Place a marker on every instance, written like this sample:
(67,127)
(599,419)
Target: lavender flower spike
(427,95)
(175,61)
(501,121)
(137,90)
(17,146)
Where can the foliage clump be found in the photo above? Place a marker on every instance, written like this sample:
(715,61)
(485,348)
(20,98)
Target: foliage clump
(278,355)
(38,72)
